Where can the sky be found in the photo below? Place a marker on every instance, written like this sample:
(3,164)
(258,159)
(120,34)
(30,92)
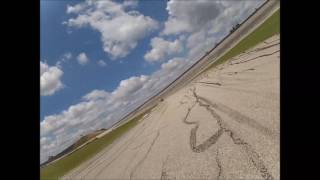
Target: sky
(101,59)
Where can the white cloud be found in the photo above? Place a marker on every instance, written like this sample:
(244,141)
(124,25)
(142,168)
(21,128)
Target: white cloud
(120,29)
(199,42)
(96,94)
(162,48)
(75,9)
(129,86)
(102,63)
(50,79)
(82,59)
(65,57)
(189,16)
(130,3)
(172,64)
(205,22)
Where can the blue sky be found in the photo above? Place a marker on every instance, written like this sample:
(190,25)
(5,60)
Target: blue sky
(101,59)
(56,41)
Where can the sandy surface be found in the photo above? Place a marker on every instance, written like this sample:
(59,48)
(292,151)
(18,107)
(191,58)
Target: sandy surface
(222,125)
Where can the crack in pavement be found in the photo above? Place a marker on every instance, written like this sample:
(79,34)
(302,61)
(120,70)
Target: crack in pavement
(219,84)
(182,102)
(96,159)
(252,68)
(145,156)
(131,160)
(231,73)
(148,135)
(271,41)
(164,175)
(242,81)
(251,153)
(255,50)
(253,156)
(265,47)
(136,147)
(123,148)
(239,117)
(219,165)
(269,54)
(193,133)
(268,96)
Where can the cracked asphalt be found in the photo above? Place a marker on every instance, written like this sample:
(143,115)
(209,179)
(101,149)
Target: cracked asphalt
(224,124)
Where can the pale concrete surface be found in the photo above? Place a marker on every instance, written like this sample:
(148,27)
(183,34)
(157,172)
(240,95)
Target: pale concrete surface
(225,124)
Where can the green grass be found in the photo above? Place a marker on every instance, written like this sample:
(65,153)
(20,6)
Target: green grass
(267,29)
(62,166)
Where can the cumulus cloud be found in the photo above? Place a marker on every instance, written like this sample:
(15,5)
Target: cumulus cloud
(204,22)
(96,94)
(102,63)
(172,64)
(189,16)
(162,48)
(75,9)
(129,86)
(50,79)
(120,28)
(82,59)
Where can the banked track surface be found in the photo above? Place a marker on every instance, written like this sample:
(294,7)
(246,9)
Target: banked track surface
(226,128)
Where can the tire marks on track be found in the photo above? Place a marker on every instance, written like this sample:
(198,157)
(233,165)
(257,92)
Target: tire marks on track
(264,55)
(213,83)
(255,50)
(266,47)
(240,118)
(115,156)
(98,160)
(145,156)
(250,152)
(268,96)
(131,141)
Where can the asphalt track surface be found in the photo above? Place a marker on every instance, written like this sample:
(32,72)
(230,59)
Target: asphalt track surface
(225,124)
